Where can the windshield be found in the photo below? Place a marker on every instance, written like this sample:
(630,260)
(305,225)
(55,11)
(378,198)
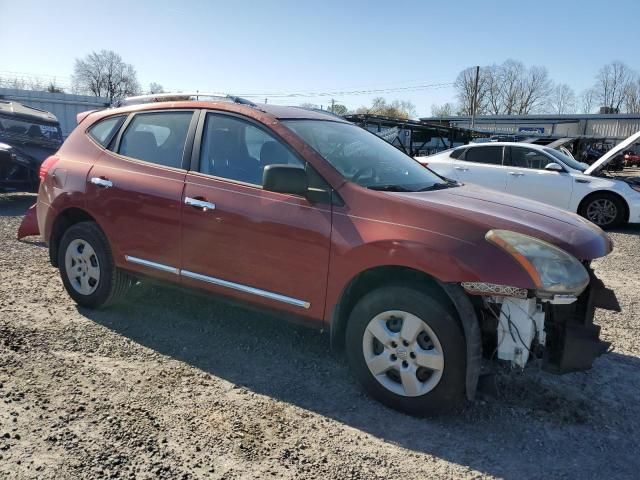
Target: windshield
(26,131)
(363,158)
(567,160)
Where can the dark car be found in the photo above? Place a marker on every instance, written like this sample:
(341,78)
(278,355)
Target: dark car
(27,137)
(316,219)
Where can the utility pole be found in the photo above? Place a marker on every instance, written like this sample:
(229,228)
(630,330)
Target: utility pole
(474,104)
(333,104)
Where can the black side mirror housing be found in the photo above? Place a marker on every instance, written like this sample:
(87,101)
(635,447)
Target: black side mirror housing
(285,179)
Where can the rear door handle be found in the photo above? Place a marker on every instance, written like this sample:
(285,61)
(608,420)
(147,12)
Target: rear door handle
(516,174)
(199,203)
(101,182)
(461,168)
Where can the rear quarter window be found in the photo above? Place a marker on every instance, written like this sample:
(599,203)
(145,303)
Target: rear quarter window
(458,153)
(103,131)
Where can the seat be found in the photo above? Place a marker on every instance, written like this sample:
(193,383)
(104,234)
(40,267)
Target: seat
(273,153)
(141,145)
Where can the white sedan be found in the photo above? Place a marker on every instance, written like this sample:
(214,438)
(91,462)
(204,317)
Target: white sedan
(546,175)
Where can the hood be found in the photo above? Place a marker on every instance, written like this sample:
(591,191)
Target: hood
(606,158)
(488,209)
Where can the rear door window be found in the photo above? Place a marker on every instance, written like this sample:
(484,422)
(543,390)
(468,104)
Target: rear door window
(489,155)
(157,137)
(103,131)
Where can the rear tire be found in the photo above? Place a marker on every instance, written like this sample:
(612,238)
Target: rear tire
(603,209)
(407,350)
(87,268)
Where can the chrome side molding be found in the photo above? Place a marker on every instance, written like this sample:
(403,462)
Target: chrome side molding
(222,283)
(147,263)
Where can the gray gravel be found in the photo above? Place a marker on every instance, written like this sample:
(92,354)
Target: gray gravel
(176,385)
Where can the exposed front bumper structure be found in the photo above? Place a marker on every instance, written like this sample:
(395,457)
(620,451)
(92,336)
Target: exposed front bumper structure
(573,340)
(558,330)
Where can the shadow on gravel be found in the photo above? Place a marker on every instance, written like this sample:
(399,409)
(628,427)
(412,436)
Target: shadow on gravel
(16,204)
(529,417)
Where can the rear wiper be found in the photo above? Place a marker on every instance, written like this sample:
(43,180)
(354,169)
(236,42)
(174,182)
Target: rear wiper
(389,188)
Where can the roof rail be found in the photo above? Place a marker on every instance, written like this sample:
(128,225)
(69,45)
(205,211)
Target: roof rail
(181,96)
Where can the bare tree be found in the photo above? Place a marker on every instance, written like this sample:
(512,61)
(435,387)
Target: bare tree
(444,110)
(511,78)
(535,90)
(155,88)
(493,90)
(632,96)
(53,87)
(395,109)
(611,84)
(465,85)
(588,100)
(562,99)
(104,74)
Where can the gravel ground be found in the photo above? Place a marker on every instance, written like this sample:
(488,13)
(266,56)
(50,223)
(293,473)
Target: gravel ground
(176,385)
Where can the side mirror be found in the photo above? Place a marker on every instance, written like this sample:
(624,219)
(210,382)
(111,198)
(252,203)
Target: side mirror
(285,179)
(554,167)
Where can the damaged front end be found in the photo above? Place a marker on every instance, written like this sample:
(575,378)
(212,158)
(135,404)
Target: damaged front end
(518,326)
(552,321)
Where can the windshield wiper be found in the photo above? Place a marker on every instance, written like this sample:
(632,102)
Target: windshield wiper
(437,186)
(390,188)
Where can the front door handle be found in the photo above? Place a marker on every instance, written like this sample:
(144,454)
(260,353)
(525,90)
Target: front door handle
(461,168)
(101,182)
(199,203)
(516,174)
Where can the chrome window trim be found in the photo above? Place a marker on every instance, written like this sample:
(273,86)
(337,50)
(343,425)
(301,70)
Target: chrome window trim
(246,289)
(147,263)
(222,283)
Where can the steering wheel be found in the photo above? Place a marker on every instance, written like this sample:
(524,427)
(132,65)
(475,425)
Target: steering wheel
(361,171)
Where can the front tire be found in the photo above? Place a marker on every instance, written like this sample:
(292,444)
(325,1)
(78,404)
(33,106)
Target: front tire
(87,268)
(407,350)
(603,209)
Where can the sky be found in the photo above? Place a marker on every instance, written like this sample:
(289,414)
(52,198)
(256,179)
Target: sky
(270,48)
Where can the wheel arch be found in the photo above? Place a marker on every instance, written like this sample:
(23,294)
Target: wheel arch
(590,195)
(65,219)
(451,294)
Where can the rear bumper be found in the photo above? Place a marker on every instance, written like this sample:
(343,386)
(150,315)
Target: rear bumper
(573,340)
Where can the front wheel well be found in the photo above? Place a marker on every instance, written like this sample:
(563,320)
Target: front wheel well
(586,199)
(63,221)
(374,278)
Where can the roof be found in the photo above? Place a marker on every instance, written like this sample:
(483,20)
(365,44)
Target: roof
(535,146)
(289,113)
(30,113)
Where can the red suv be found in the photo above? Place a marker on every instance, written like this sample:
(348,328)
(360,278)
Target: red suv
(305,214)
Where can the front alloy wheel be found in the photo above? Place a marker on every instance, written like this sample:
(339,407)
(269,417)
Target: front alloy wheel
(603,209)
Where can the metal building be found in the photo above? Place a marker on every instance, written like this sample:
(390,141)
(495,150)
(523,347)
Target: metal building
(607,126)
(64,106)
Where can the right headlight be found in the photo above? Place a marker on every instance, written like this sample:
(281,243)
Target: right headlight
(553,270)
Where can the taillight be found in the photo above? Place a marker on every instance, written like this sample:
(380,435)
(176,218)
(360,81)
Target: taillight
(46,166)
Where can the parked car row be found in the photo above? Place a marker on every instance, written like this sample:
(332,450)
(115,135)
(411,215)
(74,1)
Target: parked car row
(546,175)
(420,278)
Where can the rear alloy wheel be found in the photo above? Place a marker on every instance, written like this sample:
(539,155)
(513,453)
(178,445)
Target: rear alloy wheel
(406,348)
(604,210)
(87,268)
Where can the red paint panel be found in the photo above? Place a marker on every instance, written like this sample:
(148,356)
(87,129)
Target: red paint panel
(269,241)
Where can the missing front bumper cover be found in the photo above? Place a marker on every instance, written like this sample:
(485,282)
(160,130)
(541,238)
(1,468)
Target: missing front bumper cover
(573,340)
